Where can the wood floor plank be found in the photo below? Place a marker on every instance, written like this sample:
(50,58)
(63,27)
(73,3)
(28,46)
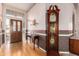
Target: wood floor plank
(20,49)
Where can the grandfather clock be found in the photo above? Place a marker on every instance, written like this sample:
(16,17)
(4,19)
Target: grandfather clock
(52,30)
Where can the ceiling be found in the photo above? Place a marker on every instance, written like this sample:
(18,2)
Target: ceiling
(22,6)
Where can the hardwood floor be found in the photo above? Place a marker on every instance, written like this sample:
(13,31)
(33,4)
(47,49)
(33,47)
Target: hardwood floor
(20,49)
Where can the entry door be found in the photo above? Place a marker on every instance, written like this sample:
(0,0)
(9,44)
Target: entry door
(16,30)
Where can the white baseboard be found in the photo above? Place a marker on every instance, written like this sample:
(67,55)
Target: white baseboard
(41,48)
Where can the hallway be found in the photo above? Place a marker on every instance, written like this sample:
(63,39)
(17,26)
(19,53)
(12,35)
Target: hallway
(50,26)
(20,49)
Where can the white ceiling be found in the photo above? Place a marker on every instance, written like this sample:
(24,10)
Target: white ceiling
(22,6)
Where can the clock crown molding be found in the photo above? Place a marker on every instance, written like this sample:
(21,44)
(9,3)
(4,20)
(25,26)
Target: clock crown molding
(53,8)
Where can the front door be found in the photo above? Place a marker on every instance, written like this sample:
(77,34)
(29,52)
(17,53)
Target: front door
(16,30)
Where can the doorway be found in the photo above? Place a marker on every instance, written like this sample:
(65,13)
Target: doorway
(16,30)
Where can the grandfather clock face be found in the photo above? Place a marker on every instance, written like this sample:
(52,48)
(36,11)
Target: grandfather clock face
(53,17)
(52,29)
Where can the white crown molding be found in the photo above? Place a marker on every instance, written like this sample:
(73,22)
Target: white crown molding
(13,8)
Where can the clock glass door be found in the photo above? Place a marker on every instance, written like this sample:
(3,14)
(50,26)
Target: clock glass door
(52,30)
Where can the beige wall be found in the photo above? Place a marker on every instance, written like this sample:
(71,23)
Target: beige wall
(38,12)
(0,16)
(0,9)
(0,23)
(65,15)
(77,22)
